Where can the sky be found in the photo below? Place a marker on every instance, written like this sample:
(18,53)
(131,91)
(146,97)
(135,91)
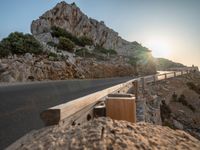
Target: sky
(170,28)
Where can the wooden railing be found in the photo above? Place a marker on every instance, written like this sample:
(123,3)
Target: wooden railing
(83,106)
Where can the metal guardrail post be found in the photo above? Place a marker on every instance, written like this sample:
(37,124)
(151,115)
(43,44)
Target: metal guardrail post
(174,74)
(135,88)
(181,72)
(154,79)
(165,76)
(143,83)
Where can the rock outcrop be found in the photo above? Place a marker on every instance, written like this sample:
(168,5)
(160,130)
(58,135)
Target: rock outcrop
(180,103)
(105,133)
(41,67)
(70,18)
(30,68)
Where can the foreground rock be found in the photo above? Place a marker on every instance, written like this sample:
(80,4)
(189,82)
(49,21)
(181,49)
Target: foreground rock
(105,133)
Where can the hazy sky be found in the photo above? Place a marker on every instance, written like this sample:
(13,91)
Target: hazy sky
(171,28)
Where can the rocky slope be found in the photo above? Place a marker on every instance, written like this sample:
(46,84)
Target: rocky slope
(73,20)
(165,64)
(180,103)
(30,67)
(104,133)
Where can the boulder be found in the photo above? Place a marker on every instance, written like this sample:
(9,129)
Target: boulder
(105,133)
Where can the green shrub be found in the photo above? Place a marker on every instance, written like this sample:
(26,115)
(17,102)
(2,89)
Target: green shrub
(85,41)
(59,32)
(65,44)
(165,111)
(4,52)
(53,56)
(182,100)
(193,87)
(19,43)
(52,44)
(133,61)
(100,49)
(112,52)
(84,53)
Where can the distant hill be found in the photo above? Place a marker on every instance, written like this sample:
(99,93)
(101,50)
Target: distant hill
(165,64)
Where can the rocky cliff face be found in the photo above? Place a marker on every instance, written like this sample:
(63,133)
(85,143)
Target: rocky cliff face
(72,19)
(41,67)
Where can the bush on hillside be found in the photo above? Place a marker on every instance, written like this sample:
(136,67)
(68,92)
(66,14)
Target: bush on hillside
(19,43)
(66,44)
(100,49)
(4,52)
(165,64)
(84,40)
(53,56)
(193,87)
(59,32)
(83,52)
(52,44)
(133,61)
(184,102)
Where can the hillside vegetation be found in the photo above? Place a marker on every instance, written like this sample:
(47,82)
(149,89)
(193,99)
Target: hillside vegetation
(19,43)
(165,64)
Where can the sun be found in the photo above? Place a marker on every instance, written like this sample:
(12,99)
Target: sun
(159,48)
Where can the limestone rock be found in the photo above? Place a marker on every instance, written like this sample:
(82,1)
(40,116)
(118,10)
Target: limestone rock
(28,56)
(104,133)
(73,20)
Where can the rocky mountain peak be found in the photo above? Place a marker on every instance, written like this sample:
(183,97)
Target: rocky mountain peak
(70,18)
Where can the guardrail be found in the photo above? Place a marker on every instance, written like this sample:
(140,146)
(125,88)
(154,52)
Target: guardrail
(83,106)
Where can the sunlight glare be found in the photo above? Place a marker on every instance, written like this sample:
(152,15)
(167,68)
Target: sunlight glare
(160,48)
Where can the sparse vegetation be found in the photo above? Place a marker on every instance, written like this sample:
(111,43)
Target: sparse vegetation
(164,64)
(102,50)
(66,44)
(174,97)
(165,111)
(193,87)
(181,99)
(185,103)
(133,61)
(52,44)
(83,52)
(19,43)
(53,56)
(4,52)
(82,41)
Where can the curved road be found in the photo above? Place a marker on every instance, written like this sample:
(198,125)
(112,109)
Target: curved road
(21,104)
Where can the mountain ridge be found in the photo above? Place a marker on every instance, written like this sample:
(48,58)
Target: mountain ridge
(70,18)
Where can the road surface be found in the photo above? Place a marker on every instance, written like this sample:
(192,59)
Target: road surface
(21,104)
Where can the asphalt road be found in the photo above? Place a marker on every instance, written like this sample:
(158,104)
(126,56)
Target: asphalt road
(21,104)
